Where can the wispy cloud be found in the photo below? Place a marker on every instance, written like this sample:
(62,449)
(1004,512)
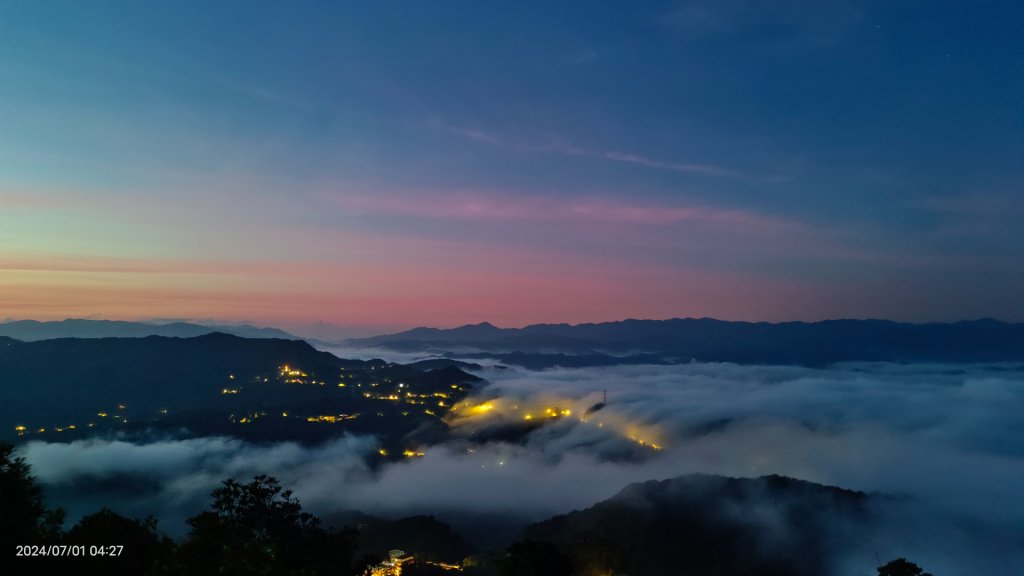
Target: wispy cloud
(560,146)
(639,160)
(477,135)
(507,207)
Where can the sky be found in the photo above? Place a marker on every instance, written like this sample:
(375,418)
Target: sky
(357,167)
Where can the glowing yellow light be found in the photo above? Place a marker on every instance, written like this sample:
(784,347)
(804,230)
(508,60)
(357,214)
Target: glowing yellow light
(102,414)
(483,408)
(411,454)
(19,428)
(382,452)
(528,417)
(285,414)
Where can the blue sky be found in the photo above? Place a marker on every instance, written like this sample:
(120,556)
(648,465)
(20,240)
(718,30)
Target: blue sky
(512,162)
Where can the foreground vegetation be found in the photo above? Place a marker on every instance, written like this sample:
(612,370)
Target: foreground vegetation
(258,528)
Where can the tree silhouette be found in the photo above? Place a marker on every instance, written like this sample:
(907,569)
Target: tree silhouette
(901,567)
(24,517)
(259,528)
(141,544)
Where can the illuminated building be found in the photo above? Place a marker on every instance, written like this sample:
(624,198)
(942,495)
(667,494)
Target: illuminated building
(392,566)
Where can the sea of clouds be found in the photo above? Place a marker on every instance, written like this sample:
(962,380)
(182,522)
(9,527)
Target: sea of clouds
(948,440)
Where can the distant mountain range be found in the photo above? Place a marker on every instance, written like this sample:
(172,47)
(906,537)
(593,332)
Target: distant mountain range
(677,340)
(32,330)
(685,339)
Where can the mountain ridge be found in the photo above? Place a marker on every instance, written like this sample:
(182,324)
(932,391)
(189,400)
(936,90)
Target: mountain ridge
(708,524)
(34,330)
(706,339)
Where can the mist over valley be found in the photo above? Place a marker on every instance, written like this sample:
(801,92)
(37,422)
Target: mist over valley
(491,448)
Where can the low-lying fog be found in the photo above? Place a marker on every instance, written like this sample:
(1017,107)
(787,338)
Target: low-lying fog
(949,438)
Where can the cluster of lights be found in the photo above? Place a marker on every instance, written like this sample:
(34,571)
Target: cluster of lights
(639,434)
(549,413)
(248,418)
(289,371)
(393,565)
(482,408)
(115,416)
(22,430)
(295,376)
(329,418)
(643,442)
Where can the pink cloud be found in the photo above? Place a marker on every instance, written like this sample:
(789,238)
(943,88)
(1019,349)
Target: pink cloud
(482,206)
(282,292)
(655,215)
(272,291)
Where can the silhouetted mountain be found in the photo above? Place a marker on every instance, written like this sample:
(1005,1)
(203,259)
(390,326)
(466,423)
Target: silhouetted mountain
(31,330)
(705,339)
(708,525)
(484,331)
(436,363)
(262,389)
(539,361)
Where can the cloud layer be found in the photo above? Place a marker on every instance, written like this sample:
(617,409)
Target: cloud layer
(944,439)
